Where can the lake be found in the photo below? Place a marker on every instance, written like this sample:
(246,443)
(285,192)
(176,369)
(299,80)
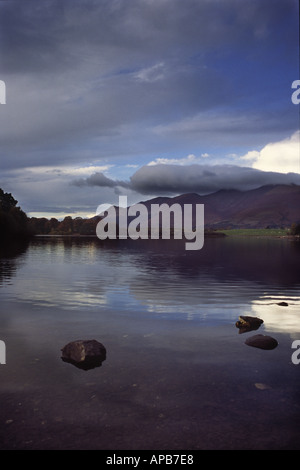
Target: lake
(177,374)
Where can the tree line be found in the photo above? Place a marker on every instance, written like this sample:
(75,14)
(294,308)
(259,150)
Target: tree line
(15,224)
(67,226)
(295,229)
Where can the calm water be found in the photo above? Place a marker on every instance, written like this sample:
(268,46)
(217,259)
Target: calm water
(178,374)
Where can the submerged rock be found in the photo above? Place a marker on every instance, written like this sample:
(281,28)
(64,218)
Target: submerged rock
(262,342)
(247,323)
(84,354)
(261,386)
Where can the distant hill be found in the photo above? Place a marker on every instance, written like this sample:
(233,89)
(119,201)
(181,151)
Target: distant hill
(276,206)
(272,206)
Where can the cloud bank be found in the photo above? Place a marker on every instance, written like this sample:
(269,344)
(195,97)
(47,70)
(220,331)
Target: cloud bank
(276,163)
(202,179)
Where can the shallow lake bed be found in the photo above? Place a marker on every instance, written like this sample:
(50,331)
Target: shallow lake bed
(178,374)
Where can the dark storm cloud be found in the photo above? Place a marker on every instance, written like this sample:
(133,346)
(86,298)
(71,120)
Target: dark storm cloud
(56,33)
(79,72)
(113,82)
(202,179)
(99,179)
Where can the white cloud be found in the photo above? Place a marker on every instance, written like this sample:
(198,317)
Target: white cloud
(151,74)
(188,160)
(66,171)
(281,157)
(252,155)
(86,170)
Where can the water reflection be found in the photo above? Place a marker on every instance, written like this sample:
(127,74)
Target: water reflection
(228,277)
(277,318)
(165,375)
(266,261)
(11,255)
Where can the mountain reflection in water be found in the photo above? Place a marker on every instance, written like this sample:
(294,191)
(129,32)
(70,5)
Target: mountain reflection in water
(179,375)
(160,276)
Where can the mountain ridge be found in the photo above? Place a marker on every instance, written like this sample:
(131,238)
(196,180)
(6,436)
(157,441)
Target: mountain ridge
(273,206)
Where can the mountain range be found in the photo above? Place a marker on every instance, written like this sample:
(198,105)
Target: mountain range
(273,206)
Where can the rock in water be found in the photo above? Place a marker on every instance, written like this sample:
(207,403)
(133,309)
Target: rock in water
(85,354)
(247,323)
(262,342)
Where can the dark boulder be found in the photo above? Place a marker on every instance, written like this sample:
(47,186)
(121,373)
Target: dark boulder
(262,342)
(247,323)
(283,304)
(84,354)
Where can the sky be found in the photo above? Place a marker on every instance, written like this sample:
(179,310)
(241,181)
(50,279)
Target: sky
(145,98)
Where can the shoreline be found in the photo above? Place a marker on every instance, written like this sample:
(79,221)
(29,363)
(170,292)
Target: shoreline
(232,233)
(260,233)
